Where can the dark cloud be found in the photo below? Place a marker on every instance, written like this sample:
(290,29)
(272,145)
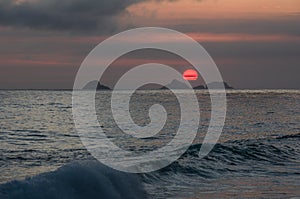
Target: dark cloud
(82,15)
(103,16)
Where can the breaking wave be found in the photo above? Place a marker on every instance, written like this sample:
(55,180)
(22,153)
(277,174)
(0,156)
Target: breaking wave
(78,180)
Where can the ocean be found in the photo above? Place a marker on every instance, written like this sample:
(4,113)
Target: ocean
(257,155)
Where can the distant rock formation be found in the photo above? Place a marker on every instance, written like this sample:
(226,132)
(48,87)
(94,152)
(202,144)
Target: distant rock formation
(215,85)
(227,86)
(175,84)
(95,84)
(201,87)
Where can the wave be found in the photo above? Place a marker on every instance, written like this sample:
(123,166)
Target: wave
(239,161)
(289,136)
(258,157)
(77,180)
(90,179)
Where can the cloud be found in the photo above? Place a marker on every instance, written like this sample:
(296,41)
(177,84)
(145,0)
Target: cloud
(74,15)
(77,15)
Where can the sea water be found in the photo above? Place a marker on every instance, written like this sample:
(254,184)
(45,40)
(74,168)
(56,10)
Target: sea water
(257,155)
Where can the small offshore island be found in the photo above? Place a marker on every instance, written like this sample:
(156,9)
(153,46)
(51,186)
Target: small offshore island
(174,84)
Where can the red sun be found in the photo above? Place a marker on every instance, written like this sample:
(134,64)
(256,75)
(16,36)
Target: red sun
(190,75)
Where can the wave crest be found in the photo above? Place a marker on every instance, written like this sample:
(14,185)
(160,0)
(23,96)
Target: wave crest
(78,180)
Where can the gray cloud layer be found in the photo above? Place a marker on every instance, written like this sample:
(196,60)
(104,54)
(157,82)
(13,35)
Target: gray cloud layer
(103,16)
(67,14)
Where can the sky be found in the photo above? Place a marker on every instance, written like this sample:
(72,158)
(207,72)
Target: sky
(255,44)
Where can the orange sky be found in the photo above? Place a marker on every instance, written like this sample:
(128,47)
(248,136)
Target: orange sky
(191,12)
(197,9)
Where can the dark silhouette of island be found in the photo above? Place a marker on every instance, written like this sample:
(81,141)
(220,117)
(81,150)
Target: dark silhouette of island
(180,85)
(175,84)
(95,85)
(200,87)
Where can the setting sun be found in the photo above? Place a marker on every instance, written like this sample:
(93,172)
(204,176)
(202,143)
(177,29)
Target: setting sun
(190,75)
